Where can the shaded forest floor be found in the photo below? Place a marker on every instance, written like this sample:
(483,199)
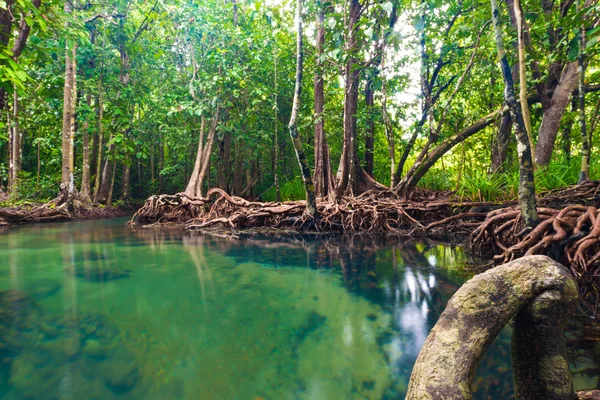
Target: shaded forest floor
(568,231)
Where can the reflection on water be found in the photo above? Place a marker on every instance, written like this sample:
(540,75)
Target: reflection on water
(97,310)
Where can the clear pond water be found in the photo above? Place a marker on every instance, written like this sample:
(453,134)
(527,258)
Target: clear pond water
(96,310)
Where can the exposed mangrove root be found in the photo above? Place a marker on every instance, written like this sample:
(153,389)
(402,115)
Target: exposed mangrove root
(371,212)
(55,211)
(540,294)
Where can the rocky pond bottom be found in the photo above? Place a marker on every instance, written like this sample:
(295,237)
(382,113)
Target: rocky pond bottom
(96,310)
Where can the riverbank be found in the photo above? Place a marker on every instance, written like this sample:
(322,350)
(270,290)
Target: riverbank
(48,212)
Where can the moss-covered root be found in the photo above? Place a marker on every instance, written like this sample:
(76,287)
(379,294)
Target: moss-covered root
(536,287)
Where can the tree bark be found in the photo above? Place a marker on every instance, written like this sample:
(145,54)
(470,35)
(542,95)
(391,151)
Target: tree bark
(523,72)
(585,145)
(370,137)
(276,126)
(554,113)
(15,139)
(527,200)
(323,176)
(100,141)
(541,293)
(68,129)
(85,177)
(349,165)
(311,202)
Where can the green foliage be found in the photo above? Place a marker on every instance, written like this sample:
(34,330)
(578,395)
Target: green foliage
(290,190)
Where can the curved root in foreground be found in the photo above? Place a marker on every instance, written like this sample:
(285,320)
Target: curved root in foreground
(541,295)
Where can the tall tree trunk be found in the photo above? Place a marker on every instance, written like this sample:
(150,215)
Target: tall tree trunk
(322,174)
(585,145)
(100,140)
(276,126)
(85,177)
(102,193)
(349,164)
(554,113)
(111,187)
(311,202)
(68,130)
(523,72)
(370,137)
(125,185)
(225,167)
(389,130)
(15,148)
(526,181)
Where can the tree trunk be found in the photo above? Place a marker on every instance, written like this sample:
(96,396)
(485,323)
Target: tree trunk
(113,168)
(225,167)
(554,113)
(103,192)
(100,141)
(276,126)
(322,174)
(585,145)
(349,164)
(527,200)
(370,138)
(68,130)
(191,189)
(523,73)
(311,202)
(15,139)
(85,177)
(125,185)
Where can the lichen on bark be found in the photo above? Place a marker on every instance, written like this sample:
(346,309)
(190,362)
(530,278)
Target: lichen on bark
(540,293)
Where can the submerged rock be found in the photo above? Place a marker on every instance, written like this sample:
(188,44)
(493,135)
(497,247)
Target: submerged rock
(119,373)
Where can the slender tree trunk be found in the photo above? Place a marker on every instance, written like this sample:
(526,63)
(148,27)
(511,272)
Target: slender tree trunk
(100,141)
(389,129)
(68,130)
(523,73)
(15,148)
(276,126)
(585,145)
(370,137)
(527,200)
(322,174)
(311,202)
(85,178)
(113,168)
(125,185)
(225,167)
(349,165)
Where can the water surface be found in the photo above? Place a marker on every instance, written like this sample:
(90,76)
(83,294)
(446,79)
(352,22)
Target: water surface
(96,310)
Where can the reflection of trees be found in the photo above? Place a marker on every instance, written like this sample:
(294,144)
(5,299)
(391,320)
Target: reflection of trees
(195,246)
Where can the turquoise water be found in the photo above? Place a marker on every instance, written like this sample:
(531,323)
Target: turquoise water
(96,310)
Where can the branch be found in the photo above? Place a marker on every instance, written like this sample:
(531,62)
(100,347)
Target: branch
(144,24)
